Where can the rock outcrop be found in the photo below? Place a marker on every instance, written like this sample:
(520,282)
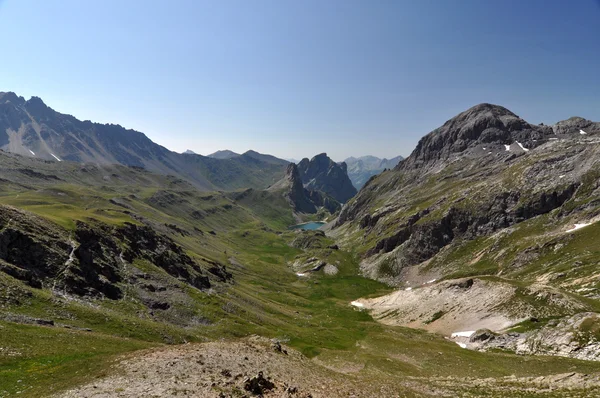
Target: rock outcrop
(301,199)
(323,174)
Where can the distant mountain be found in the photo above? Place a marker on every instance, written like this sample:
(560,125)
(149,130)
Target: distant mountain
(323,174)
(30,128)
(189,152)
(265,158)
(362,168)
(225,154)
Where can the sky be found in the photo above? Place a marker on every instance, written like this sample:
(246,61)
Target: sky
(296,78)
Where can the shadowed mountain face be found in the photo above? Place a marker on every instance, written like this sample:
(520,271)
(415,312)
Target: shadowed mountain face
(301,199)
(30,128)
(323,174)
(362,168)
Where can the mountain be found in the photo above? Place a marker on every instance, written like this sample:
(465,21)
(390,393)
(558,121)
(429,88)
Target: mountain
(224,154)
(270,159)
(302,199)
(486,217)
(362,168)
(323,174)
(189,152)
(30,128)
(105,265)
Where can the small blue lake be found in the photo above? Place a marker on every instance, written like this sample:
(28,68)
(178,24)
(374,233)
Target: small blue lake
(308,225)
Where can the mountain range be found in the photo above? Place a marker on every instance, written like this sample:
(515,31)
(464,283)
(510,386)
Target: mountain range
(362,168)
(30,128)
(137,279)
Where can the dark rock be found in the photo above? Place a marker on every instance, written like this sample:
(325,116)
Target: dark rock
(323,174)
(258,385)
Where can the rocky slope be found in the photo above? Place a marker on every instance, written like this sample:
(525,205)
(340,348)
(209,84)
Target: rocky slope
(362,168)
(322,174)
(31,128)
(486,194)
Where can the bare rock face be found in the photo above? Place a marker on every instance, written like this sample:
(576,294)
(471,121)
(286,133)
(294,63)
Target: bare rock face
(482,124)
(323,174)
(92,262)
(303,200)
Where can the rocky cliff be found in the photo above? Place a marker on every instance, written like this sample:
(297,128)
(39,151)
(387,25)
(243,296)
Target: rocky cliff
(323,174)
(301,199)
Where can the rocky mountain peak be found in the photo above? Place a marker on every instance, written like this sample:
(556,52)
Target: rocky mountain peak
(480,126)
(323,174)
(11,97)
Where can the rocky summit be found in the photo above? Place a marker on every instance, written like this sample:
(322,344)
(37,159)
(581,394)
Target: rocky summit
(323,174)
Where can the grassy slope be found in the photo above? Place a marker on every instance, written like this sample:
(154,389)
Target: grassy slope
(313,314)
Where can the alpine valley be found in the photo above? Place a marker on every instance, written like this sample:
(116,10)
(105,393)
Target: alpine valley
(470,268)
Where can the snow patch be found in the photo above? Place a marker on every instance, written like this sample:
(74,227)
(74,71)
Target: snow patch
(561,176)
(462,345)
(522,147)
(582,132)
(408,289)
(553,138)
(431,281)
(300,274)
(468,333)
(33,153)
(507,147)
(55,157)
(357,304)
(579,226)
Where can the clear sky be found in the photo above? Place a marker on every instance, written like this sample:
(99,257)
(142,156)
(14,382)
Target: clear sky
(298,77)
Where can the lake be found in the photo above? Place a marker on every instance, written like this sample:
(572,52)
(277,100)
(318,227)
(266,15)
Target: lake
(308,225)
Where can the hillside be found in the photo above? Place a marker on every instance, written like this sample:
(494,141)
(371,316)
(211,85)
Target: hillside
(511,205)
(100,261)
(32,129)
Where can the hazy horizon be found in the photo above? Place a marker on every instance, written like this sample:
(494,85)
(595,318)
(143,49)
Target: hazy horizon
(294,79)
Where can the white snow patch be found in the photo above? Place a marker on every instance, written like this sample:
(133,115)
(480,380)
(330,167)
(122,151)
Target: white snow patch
(554,138)
(522,147)
(462,345)
(33,153)
(468,333)
(357,304)
(507,147)
(408,289)
(431,281)
(300,274)
(484,148)
(582,132)
(579,226)
(561,176)
(55,157)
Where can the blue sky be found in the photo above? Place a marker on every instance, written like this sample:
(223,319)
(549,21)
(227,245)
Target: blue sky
(295,78)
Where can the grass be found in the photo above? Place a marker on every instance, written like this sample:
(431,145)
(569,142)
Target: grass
(267,298)
(37,361)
